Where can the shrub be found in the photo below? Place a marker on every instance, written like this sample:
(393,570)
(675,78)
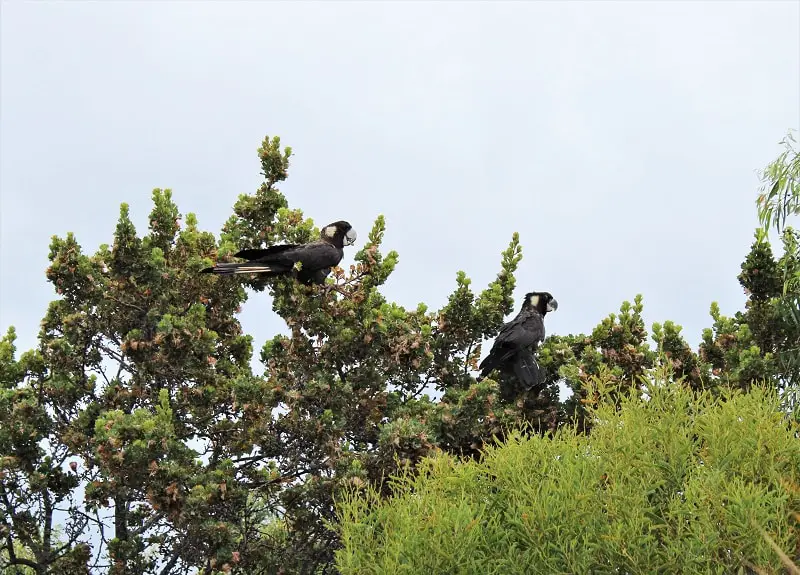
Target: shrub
(681,481)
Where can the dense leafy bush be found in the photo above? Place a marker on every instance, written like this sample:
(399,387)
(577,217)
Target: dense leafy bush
(680,482)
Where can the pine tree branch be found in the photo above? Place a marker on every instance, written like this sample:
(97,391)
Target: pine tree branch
(12,555)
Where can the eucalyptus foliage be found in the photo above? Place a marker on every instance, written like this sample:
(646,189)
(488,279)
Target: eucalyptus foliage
(778,203)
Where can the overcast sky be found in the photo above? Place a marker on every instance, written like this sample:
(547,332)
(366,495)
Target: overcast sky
(621,140)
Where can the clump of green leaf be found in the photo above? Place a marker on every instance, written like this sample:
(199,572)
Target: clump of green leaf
(683,482)
(778,202)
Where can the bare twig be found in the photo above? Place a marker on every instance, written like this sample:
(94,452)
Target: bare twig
(155,518)
(466,358)
(72,539)
(419,390)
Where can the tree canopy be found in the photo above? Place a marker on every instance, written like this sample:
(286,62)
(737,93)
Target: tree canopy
(136,439)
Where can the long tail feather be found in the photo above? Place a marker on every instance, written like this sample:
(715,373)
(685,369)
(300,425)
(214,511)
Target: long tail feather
(244,268)
(527,370)
(487,366)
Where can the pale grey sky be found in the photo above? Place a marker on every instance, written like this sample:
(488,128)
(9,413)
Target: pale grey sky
(620,139)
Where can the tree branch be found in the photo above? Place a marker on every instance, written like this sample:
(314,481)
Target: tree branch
(171,563)
(419,390)
(14,560)
(466,358)
(72,539)
(22,534)
(48,523)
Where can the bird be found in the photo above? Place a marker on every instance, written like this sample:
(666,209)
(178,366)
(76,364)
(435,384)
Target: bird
(518,339)
(316,258)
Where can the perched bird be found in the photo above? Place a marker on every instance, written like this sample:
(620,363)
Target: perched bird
(514,346)
(316,258)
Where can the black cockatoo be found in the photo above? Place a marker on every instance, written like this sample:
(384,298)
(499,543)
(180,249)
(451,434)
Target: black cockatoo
(316,258)
(517,341)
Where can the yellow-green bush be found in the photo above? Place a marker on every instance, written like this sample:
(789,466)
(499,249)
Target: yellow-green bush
(681,482)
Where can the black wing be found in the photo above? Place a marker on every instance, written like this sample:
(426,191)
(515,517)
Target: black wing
(522,331)
(258,253)
(316,256)
(278,260)
(313,256)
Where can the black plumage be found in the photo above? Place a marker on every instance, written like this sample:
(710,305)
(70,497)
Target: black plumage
(514,347)
(316,258)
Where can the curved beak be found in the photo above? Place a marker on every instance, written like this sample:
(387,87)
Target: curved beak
(350,237)
(552,305)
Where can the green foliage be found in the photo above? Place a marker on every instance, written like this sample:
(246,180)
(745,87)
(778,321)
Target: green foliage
(779,200)
(780,193)
(137,365)
(143,377)
(617,348)
(350,384)
(760,342)
(35,481)
(139,421)
(678,483)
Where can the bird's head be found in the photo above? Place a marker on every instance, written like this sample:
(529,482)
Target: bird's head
(541,301)
(339,233)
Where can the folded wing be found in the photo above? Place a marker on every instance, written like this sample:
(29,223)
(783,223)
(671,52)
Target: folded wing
(315,258)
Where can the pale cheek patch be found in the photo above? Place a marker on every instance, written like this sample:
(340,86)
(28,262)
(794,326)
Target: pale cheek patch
(330,231)
(534,300)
